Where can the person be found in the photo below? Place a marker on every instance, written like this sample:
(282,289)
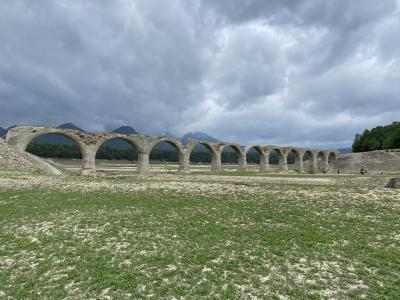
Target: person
(338,171)
(324,171)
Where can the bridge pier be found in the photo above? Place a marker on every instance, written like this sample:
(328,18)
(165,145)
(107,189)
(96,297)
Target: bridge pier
(299,165)
(88,160)
(325,164)
(283,165)
(312,169)
(184,162)
(264,161)
(242,163)
(143,166)
(216,165)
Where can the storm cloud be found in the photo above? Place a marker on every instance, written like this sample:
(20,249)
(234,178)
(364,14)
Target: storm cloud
(273,72)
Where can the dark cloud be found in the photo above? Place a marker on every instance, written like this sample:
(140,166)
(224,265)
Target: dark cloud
(285,72)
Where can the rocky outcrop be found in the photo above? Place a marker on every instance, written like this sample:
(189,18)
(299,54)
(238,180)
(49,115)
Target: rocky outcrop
(393,183)
(12,158)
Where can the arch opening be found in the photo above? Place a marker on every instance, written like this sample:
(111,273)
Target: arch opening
(254,158)
(116,156)
(308,162)
(200,157)
(332,157)
(230,157)
(275,159)
(59,150)
(165,156)
(294,160)
(332,161)
(321,163)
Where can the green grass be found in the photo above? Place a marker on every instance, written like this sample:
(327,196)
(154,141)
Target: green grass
(281,241)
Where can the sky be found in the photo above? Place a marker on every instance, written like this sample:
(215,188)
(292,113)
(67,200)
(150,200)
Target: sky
(283,72)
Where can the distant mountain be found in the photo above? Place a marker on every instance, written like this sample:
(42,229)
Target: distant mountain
(118,143)
(3,131)
(201,137)
(345,150)
(70,126)
(198,136)
(168,134)
(125,130)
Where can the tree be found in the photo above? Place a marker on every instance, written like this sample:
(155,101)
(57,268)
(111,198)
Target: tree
(378,138)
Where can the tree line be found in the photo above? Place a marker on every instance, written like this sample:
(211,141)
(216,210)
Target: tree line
(378,138)
(71,151)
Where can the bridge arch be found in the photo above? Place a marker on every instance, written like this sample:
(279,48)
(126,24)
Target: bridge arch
(333,156)
(23,136)
(263,160)
(133,146)
(241,156)
(28,134)
(280,156)
(210,150)
(309,160)
(322,162)
(176,145)
(297,159)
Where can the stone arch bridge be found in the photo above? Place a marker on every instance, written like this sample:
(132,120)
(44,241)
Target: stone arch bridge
(89,143)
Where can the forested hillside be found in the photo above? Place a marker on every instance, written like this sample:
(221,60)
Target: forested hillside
(378,138)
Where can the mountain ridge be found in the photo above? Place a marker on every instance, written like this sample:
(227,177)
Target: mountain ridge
(3,131)
(70,126)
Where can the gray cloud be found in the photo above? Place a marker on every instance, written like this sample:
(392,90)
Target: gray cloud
(284,72)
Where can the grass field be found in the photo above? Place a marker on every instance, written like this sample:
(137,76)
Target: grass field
(198,236)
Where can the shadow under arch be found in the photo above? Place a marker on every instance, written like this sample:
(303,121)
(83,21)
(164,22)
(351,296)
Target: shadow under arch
(116,148)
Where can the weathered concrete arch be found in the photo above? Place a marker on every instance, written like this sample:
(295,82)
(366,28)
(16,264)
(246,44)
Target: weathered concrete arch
(264,163)
(151,142)
(312,161)
(131,140)
(298,158)
(136,141)
(22,136)
(191,144)
(322,164)
(173,142)
(333,156)
(282,157)
(239,151)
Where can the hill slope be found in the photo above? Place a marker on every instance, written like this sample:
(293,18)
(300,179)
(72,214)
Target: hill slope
(373,161)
